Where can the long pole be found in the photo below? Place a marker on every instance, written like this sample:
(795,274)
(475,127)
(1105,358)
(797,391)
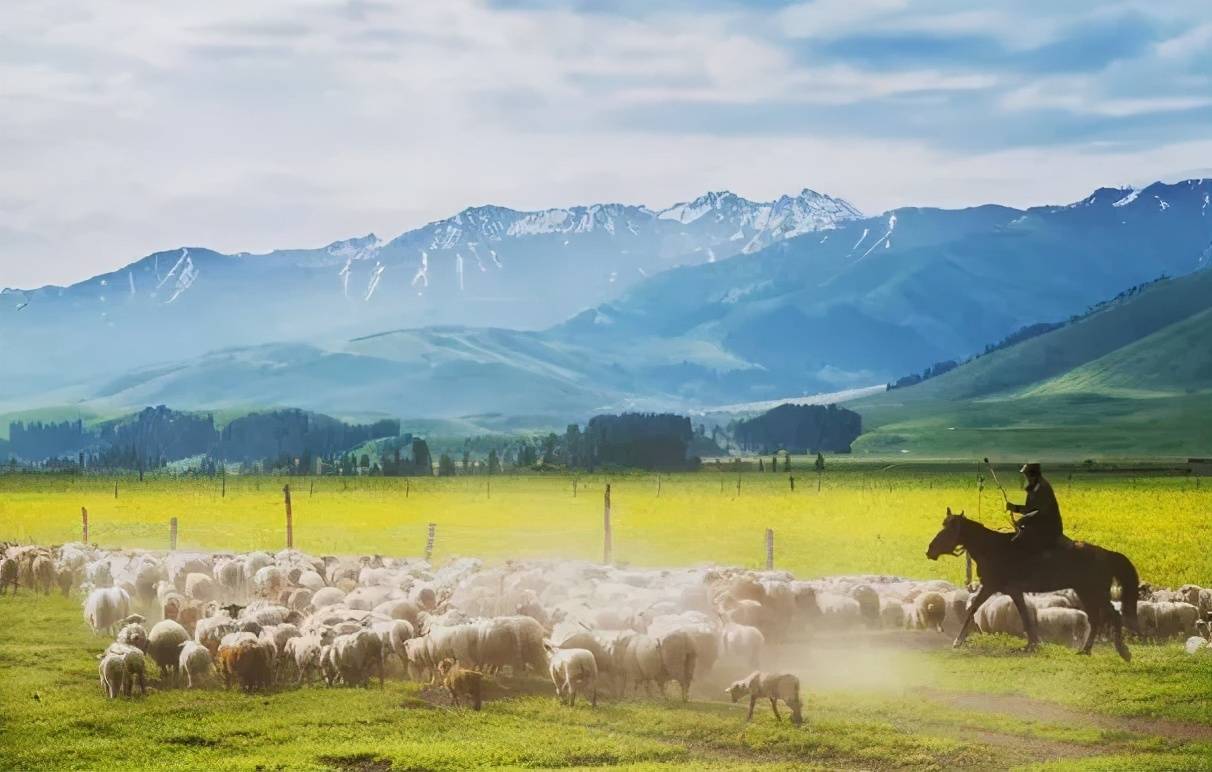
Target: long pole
(290,520)
(429,541)
(607,536)
(769,549)
(172,535)
(84,523)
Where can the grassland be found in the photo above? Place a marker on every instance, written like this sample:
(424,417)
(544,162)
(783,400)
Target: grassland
(864,518)
(873,706)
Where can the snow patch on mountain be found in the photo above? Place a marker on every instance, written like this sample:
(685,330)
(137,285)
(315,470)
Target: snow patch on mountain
(1133,194)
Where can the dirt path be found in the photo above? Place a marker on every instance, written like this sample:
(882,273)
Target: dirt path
(1042,710)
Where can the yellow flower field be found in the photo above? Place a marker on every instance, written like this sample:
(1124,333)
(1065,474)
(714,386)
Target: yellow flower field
(862,520)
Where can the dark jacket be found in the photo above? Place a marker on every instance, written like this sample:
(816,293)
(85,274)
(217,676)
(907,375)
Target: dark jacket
(1042,524)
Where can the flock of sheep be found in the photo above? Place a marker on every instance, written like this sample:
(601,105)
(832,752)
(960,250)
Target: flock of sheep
(261,620)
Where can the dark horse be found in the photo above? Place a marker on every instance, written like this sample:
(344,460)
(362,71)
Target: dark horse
(1087,569)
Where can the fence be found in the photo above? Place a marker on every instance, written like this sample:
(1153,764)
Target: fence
(446,539)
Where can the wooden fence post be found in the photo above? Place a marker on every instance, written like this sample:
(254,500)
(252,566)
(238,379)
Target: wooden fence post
(290,520)
(607,536)
(115,489)
(172,535)
(769,549)
(223,491)
(658,486)
(429,541)
(84,523)
(738,485)
(791,480)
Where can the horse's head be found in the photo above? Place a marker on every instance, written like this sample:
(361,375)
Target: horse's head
(948,539)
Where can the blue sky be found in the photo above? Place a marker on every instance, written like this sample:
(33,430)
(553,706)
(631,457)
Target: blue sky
(128,126)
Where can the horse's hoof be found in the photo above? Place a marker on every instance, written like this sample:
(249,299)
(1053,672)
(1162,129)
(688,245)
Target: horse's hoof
(1123,652)
(1082,652)
(1031,647)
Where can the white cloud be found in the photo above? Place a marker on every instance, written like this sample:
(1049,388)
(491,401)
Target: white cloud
(128,126)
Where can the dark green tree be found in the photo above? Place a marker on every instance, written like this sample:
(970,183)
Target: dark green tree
(494,463)
(446,465)
(422,462)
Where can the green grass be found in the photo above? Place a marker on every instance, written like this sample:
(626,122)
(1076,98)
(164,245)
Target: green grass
(912,717)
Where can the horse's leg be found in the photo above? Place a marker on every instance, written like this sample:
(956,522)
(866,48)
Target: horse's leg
(1094,612)
(1117,630)
(977,601)
(1024,612)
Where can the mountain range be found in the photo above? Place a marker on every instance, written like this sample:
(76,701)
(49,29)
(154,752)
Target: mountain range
(569,311)
(485,266)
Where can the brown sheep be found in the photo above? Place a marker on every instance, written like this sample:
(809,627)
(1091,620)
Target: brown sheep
(248,661)
(459,681)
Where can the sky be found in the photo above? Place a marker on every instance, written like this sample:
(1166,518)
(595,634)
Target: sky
(130,126)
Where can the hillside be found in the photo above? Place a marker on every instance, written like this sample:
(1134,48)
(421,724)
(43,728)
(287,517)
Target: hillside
(1133,378)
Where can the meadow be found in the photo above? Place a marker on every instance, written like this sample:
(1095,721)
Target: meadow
(868,706)
(887,700)
(865,518)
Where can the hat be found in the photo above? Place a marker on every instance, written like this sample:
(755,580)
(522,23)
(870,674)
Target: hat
(1031,468)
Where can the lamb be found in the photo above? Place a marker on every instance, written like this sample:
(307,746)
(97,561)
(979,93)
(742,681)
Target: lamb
(112,669)
(134,667)
(195,661)
(574,671)
(104,607)
(461,682)
(892,613)
(164,646)
(772,686)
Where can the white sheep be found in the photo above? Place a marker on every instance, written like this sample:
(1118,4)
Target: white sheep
(574,671)
(133,634)
(104,607)
(771,686)
(134,667)
(742,644)
(1063,625)
(112,670)
(927,612)
(196,661)
(164,646)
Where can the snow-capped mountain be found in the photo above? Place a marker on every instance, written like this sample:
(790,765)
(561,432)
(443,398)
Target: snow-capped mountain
(485,266)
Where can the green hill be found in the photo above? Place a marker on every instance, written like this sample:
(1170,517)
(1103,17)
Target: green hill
(1131,379)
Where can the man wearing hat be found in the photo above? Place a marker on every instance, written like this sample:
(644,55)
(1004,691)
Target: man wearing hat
(1039,526)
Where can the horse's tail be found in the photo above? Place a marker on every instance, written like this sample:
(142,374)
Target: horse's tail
(1129,585)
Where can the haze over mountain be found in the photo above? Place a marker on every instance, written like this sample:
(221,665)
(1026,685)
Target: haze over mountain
(716,301)
(485,266)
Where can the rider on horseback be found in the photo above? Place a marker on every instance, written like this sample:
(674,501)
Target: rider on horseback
(1039,527)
